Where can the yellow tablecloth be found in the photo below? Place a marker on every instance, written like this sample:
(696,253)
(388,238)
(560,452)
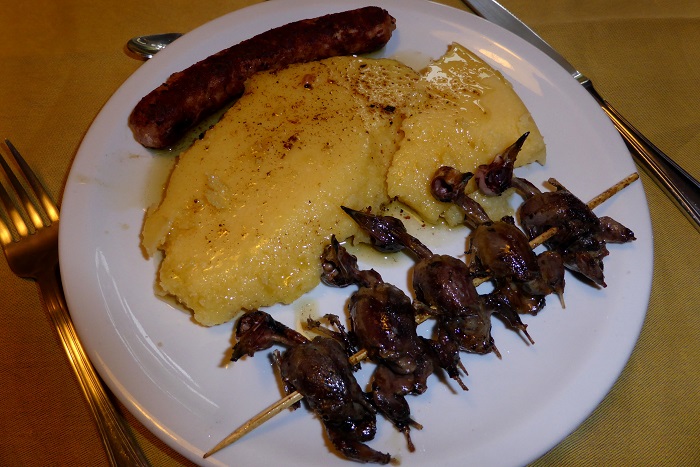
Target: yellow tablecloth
(61,61)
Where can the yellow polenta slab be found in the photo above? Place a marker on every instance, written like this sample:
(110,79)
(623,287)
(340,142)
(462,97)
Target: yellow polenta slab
(472,114)
(248,208)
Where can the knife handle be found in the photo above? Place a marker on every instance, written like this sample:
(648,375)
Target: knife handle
(678,184)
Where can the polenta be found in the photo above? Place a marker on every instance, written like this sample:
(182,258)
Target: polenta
(249,207)
(471,115)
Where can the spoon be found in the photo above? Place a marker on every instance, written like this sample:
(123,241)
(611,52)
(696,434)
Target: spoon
(145,47)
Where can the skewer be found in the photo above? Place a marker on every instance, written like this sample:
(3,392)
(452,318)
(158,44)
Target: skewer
(256,421)
(361,355)
(613,190)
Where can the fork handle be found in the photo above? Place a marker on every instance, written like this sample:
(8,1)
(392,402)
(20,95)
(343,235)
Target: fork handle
(121,447)
(678,184)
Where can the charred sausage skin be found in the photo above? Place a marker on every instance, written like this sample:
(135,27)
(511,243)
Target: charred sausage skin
(188,96)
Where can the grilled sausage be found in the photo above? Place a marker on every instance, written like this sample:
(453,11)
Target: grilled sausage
(164,115)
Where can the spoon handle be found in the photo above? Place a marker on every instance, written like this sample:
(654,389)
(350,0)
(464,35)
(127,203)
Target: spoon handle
(145,47)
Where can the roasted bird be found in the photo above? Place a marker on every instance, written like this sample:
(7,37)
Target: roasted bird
(581,235)
(443,286)
(384,324)
(319,369)
(500,250)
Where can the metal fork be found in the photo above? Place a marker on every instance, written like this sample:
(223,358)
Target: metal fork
(29,237)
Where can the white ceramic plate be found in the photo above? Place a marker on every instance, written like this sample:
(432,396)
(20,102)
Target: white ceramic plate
(174,375)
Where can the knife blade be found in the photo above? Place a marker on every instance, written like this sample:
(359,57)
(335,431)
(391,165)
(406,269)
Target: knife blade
(678,184)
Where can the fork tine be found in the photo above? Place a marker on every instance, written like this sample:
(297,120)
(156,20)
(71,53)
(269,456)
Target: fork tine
(24,221)
(16,211)
(33,211)
(10,215)
(40,191)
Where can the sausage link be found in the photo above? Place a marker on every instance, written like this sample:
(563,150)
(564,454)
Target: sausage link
(166,113)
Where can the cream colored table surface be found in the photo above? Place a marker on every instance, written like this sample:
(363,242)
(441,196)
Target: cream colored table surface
(61,61)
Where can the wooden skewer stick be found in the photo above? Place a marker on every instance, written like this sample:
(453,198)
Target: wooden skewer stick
(613,190)
(256,421)
(296,396)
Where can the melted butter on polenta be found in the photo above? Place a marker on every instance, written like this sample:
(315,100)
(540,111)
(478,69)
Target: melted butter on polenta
(471,115)
(249,208)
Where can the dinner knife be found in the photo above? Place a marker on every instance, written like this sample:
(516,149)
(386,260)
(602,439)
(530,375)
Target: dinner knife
(681,187)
